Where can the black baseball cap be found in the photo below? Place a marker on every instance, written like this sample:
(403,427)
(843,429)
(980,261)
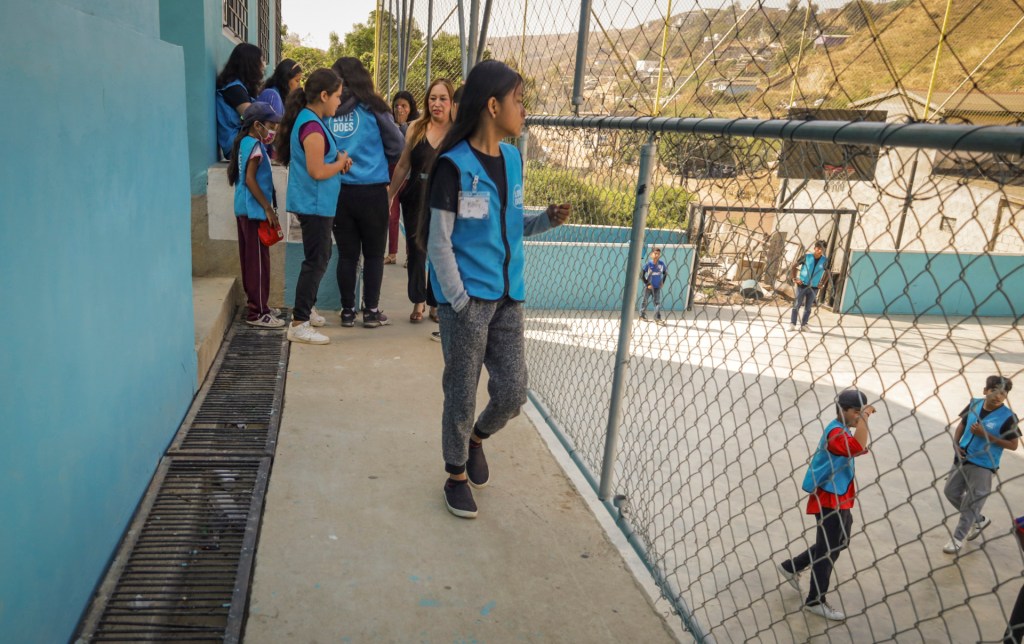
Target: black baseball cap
(851,398)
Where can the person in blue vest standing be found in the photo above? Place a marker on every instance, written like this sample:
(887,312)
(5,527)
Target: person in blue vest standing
(249,172)
(364,127)
(830,482)
(476,227)
(313,186)
(237,84)
(807,276)
(654,274)
(987,427)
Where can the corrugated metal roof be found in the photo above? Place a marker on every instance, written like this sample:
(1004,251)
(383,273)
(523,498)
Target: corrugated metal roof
(975,102)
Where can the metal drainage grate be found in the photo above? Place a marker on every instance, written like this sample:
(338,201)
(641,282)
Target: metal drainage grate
(238,410)
(183,569)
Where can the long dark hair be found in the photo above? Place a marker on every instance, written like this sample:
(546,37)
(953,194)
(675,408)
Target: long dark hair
(285,71)
(359,84)
(321,80)
(488,79)
(408,98)
(244,64)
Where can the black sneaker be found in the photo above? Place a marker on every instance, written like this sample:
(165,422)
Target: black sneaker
(348,317)
(459,499)
(476,467)
(374,319)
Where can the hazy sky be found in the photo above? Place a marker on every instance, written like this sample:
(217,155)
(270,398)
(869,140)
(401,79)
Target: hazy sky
(313,20)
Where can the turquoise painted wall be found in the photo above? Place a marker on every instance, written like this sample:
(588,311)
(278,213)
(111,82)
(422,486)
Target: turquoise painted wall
(98,357)
(590,277)
(197,25)
(609,235)
(910,283)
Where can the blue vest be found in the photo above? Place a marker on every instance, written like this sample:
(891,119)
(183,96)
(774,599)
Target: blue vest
(306,195)
(228,120)
(827,471)
(812,270)
(245,203)
(489,252)
(981,452)
(358,134)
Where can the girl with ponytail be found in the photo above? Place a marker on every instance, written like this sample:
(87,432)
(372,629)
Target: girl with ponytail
(249,172)
(313,185)
(475,246)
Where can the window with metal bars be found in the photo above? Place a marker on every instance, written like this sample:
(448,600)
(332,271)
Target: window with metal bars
(263,27)
(236,17)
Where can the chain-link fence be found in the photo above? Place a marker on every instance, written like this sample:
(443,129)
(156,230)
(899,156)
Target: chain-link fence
(697,424)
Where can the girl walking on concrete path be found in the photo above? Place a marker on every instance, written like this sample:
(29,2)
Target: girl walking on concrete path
(830,482)
(313,186)
(422,140)
(475,245)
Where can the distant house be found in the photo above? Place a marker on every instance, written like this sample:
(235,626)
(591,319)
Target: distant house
(734,86)
(977,108)
(829,41)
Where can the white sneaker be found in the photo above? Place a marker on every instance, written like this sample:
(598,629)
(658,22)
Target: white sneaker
(435,336)
(305,333)
(267,320)
(826,611)
(977,528)
(275,312)
(315,319)
(792,577)
(804,328)
(792,327)
(953,546)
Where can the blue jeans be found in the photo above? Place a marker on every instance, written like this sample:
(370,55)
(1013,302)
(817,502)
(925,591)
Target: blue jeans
(808,293)
(656,293)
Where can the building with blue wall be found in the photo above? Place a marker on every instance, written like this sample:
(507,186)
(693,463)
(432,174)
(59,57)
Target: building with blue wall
(109,125)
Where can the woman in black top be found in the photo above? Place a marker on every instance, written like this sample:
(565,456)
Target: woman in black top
(421,143)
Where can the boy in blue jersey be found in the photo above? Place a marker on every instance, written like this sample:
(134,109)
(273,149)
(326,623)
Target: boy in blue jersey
(654,274)
(987,427)
(807,276)
(830,482)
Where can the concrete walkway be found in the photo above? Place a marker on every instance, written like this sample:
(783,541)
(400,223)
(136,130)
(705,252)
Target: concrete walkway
(357,545)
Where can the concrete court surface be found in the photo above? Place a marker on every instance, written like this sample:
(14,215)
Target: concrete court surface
(722,409)
(357,546)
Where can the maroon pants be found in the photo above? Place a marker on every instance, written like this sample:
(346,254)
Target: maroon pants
(255,260)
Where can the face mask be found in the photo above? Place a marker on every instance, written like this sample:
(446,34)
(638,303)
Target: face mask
(269,138)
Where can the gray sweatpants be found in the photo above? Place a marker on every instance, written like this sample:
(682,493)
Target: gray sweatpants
(967,487)
(488,334)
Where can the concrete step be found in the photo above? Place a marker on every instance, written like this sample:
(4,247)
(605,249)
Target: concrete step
(214,301)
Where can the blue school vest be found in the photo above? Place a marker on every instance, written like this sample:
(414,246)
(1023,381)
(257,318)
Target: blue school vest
(812,270)
(358,134)
(228,121)
(245,203)
(306,195)
(827,471)
(981,452)
(489,252)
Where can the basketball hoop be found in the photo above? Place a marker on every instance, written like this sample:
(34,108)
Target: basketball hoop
(837,177)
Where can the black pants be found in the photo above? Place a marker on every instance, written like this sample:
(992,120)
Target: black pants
(417,265)
(361,226)
(1015,629)
(316,245)
(831,537)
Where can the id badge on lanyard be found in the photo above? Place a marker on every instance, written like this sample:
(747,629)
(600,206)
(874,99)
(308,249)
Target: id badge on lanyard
(474,204)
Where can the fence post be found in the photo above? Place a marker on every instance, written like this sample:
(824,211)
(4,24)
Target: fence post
(524,143)
(636,247)
(430,40)
(581,56)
